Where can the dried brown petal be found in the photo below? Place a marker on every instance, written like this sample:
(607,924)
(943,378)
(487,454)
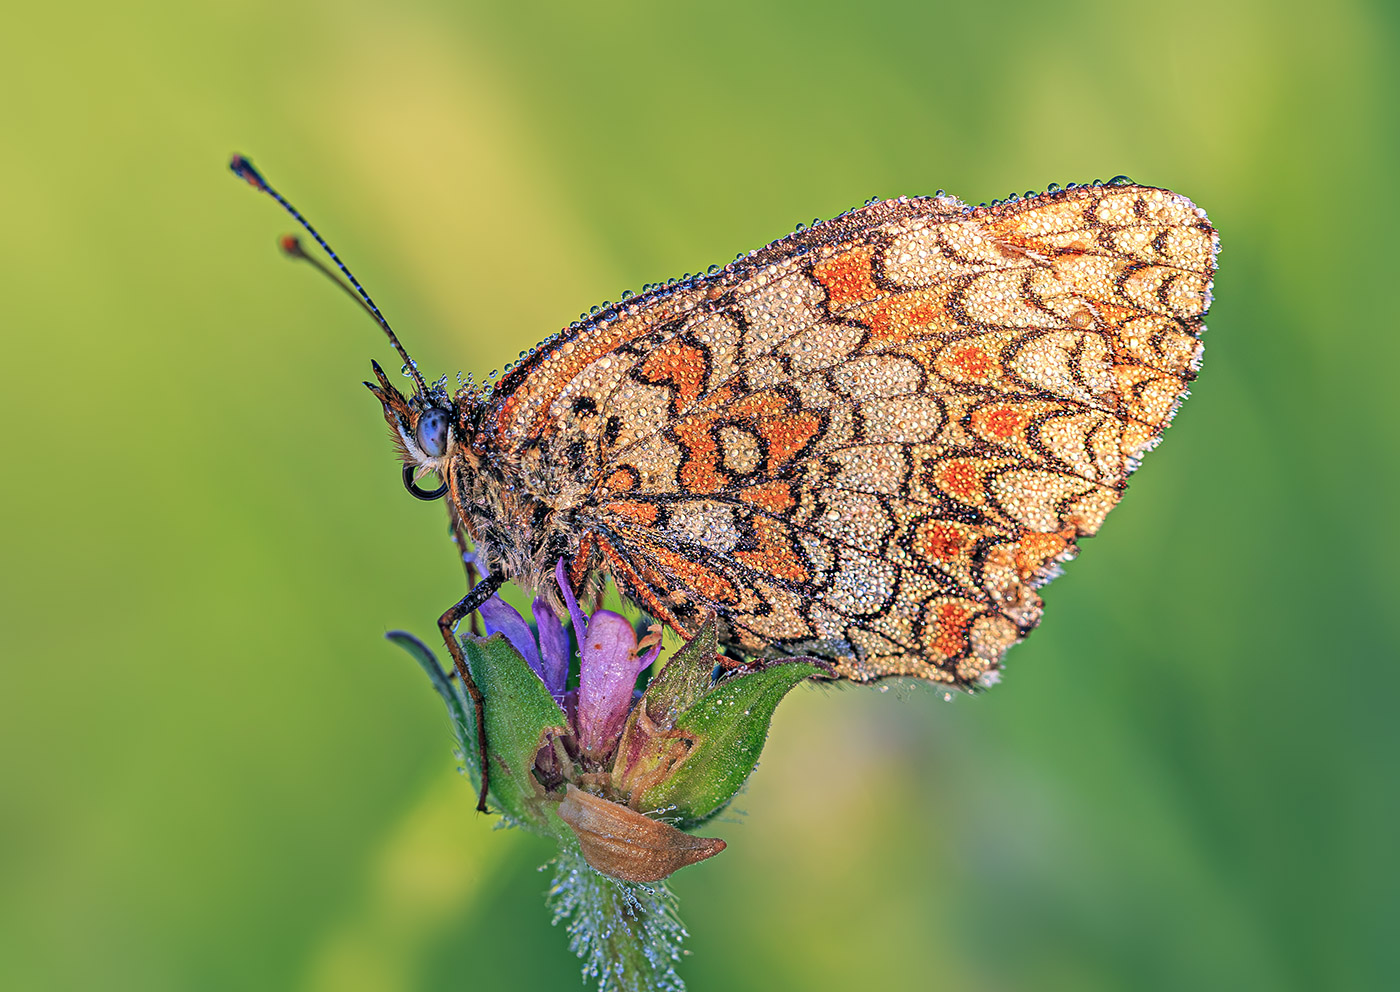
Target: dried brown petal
(623,843)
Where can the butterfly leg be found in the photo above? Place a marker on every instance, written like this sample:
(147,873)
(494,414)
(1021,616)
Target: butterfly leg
(447,623)
(459,541)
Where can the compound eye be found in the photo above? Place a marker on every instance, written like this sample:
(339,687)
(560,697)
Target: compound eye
(432,433)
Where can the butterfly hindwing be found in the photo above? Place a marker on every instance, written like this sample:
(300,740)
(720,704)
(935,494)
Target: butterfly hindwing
(871,440)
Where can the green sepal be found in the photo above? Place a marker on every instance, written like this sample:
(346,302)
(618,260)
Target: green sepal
(683,680)
(521,716)
(459,706)
(649,748)
(686,750)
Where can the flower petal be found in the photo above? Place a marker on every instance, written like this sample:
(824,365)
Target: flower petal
(608,670)
(554,647)
(561,575)
(503,618)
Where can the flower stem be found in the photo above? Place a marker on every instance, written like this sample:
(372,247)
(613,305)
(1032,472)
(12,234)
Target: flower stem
(627,934)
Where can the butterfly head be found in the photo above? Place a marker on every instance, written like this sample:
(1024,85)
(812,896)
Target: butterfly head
(421,426)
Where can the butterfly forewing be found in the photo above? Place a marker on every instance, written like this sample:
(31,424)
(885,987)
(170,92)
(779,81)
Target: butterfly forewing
(871,440)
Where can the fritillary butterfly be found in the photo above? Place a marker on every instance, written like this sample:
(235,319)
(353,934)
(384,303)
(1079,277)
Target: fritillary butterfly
(869,441)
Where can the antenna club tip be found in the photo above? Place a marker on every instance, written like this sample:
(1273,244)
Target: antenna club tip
(244,170)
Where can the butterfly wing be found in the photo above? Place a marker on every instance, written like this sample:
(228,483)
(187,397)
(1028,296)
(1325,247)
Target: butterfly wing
(871,441)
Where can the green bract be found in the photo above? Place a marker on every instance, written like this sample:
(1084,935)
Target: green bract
(690,743)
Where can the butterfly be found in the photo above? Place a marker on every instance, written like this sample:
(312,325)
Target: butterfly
(870,441)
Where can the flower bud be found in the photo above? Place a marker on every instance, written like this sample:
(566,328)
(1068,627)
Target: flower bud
(690,742)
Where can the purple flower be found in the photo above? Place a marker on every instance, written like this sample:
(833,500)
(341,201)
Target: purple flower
(550,657)
(609,660)
(608,670)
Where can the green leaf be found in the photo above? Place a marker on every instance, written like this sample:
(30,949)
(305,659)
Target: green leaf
(520,714)
(459,707)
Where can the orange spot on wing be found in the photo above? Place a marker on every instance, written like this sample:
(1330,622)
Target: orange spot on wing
(1034,550)
(883,321)
(972,362)
(787,436)
(620,481)
(1002,422)
(960,478)
(950,629)
(677,364)
(775,497)
(719,399)
(942,541)
(699,472)
(785,428)
(847,279)
(775,554)
(925,313)
(909,315)
(643,514)
(713,587)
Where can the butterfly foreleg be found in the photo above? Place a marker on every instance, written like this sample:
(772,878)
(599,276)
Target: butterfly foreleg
(447,623)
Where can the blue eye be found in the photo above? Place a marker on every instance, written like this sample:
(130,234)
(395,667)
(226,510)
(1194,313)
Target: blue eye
(432,433)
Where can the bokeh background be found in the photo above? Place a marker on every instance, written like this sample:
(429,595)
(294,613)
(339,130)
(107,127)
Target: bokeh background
(217,775)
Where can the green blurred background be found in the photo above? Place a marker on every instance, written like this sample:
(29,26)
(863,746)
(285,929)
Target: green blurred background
(217,775)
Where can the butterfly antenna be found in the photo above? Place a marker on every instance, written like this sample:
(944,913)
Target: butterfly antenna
(244,169)
(291,247)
